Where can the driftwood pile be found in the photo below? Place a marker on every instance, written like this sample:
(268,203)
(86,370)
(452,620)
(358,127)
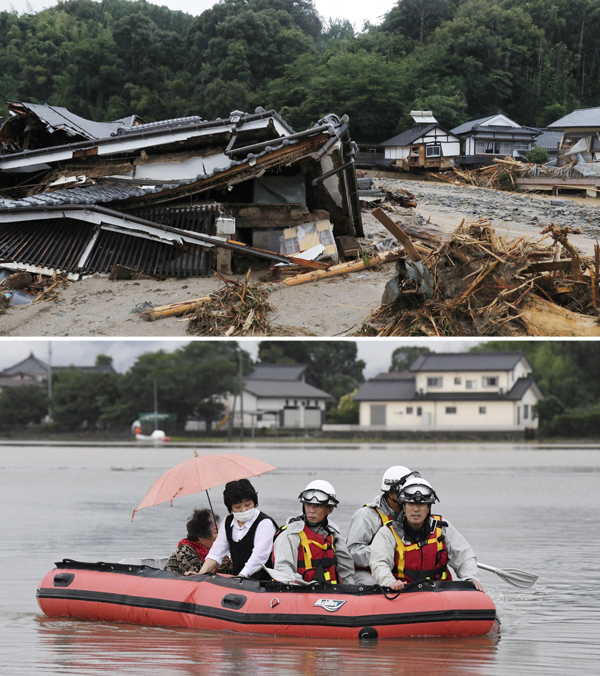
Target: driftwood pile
(236,309)
(489,285)
(499,175)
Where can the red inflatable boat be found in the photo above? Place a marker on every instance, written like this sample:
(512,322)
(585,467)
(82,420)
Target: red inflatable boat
(116,592)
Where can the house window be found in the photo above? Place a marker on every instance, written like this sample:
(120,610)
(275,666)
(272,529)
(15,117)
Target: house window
(458,381)
(450,410)
(471,384)
(525,411)
(521,146)
(489,381)
(434,382)
(409,410)
(479,147)
(419,410)
(482,410)
(487,147)
(433,151)
(377,414)
(505,148)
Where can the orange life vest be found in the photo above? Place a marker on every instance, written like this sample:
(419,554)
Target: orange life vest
(316,557)
(426,560)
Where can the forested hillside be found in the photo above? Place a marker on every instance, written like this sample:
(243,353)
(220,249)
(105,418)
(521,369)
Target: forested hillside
(533,59)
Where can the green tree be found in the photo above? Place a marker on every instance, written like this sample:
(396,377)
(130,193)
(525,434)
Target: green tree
(404,357)
(538,155)
(23,405)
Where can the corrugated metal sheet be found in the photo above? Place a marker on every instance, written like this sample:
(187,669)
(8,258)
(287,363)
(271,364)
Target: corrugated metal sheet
(59,244)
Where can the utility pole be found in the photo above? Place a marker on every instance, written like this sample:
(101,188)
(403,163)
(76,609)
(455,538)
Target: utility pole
(49,378)
(155,406)
(241,391)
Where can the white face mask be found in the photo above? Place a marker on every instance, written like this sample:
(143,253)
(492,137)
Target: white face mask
(245,516)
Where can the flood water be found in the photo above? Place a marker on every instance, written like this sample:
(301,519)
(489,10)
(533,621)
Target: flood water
(519,506)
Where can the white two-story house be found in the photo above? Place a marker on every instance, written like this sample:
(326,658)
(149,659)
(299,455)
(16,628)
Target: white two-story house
(476,391)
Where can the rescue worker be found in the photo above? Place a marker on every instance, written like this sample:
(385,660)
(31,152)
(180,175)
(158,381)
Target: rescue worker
(417,545)
(367,520)
(310,547)
(247,533)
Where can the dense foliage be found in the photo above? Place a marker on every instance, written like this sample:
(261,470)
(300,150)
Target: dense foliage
(568,373)
(534,59)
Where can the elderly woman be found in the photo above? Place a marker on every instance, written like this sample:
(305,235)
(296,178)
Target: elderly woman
(191,551)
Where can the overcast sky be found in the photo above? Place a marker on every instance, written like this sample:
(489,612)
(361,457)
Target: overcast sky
(375,352)
(353,10)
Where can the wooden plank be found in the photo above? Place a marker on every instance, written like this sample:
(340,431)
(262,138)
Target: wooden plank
(398,233)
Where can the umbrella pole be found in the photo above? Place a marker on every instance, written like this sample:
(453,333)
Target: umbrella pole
(211,508)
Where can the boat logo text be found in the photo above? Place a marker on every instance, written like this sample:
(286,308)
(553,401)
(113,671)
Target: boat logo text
(330,605)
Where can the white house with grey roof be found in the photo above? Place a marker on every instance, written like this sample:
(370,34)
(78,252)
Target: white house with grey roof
(478,392)
(426,145)
(581,135)
(492,136)
(278,396)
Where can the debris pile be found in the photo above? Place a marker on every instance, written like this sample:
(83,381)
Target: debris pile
(237,309)
(501,174)
(485,284)
(21,288)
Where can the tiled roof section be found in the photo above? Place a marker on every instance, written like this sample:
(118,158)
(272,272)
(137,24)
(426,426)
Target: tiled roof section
(409,136)
(291,372)
(582,117)
(57,117)
(467,361)
(31,366)
(477,125)
(394,375)
(386,390)
(549,139)
(292,389)
(471,124)
(382,390)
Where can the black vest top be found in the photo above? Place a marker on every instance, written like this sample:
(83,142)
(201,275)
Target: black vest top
(242,550)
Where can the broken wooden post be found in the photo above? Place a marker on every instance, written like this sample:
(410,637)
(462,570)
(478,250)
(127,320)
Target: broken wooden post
(173,309)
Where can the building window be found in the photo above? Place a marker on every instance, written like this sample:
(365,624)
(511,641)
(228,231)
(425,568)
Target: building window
(521,146)
(482,410)
(434,382)
(419,410)
(433,151)
(489,381)
(450,410)
(458,381)
(471,384)
(409,410)
(479,147)
(505,148)
(525,411)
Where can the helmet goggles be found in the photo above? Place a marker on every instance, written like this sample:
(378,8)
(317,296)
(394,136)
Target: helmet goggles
(395,486)
(418,493)
(316,497)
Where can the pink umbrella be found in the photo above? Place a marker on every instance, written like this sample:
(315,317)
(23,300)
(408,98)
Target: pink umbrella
(199,474)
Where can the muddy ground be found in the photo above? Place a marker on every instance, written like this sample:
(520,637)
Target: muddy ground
(333,307)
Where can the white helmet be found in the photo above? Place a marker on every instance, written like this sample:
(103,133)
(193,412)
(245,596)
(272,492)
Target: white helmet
(395,476)
(418,490)
(319,492)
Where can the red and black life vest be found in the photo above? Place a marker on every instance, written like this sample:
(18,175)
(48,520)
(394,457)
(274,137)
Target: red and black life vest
(316,556)
(425,560)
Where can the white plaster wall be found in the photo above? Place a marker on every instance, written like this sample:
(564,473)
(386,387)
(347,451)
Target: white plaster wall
(170,171)
(448,384)
(396,152)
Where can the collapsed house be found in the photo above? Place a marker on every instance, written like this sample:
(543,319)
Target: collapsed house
(169,198)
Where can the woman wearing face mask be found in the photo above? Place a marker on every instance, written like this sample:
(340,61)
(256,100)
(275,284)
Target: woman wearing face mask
(247,533)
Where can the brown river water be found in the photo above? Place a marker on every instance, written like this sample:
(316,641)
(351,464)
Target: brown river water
(527,507)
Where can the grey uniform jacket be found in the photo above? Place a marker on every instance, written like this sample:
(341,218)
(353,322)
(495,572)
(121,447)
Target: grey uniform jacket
(364,525)
(460,555)
(285,551)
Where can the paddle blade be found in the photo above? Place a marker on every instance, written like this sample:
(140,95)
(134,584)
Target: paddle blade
(518,578)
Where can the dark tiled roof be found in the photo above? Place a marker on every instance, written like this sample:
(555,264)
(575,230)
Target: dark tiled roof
(288,372)
(292,389)
(394,375)
(386,390)
(582,117)
(31,366)
(467,361)
(478,125)
(382,390)
(409,136)
(549,139)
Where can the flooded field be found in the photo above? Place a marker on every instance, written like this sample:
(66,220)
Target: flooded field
(519,506)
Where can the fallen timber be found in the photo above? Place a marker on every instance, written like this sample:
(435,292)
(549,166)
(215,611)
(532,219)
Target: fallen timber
(485,284)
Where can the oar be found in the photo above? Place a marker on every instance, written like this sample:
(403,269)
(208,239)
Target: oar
(518,578)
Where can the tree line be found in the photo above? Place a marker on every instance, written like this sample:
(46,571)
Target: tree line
(192,383)
(535,60)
